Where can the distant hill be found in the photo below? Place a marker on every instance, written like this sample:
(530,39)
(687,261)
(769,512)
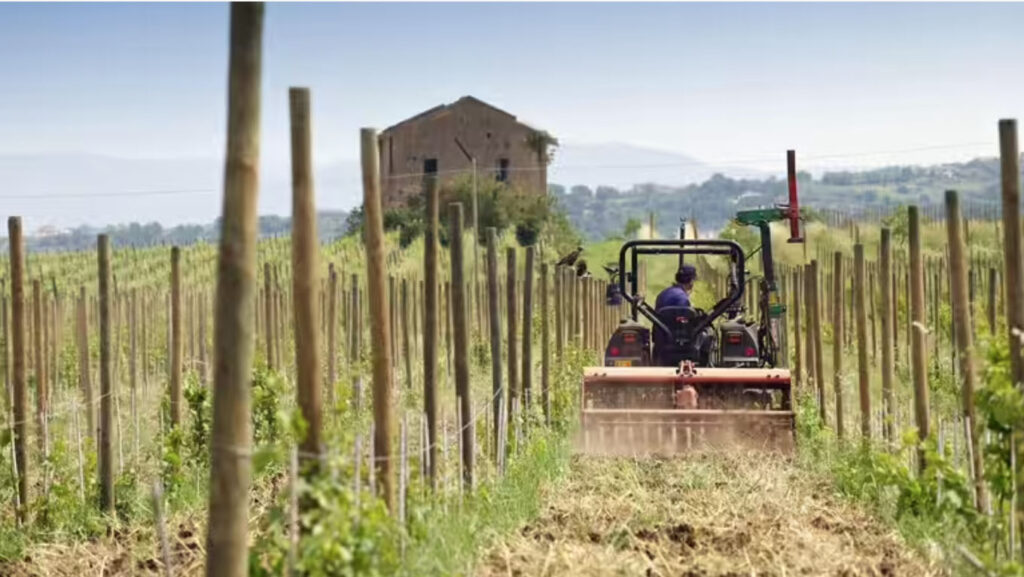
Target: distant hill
(331,225)
(603,211)
(624,165)
(63,191)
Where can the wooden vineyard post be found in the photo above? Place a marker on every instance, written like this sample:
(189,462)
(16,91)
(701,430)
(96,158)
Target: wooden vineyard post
(917,315)
(1013,279)
(860,317)
(404,324)
(430,329)
(837,341)
(82,337)
(42,433)
(380,321)
(872,312)
(577,309)
(203,362)
(798,360)
(177,344)
(815,343)
(545,350)
(888,334)
(992,289)
(510,318)
(105,446)
(526,397)
(268,297)
(461,338)
(964,338)
(227,533)
(332,334)
(305,267)
(559,305)
(133,373)
(17,264)
(355,321)
(392,292)
(494,311)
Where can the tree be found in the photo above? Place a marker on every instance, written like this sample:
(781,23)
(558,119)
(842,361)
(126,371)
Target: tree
(632,227)
(580,190)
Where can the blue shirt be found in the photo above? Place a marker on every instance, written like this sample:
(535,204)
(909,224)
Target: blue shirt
(673,296)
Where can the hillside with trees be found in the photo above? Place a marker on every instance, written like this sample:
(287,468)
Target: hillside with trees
(604,211)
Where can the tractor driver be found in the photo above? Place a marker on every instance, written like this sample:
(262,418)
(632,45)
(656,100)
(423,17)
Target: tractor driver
(678,295)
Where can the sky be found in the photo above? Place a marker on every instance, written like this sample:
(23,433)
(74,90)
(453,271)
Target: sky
(729,84)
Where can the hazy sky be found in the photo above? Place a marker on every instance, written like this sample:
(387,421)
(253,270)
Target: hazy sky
(727,83)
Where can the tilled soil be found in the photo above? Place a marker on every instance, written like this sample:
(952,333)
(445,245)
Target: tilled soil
(703,515)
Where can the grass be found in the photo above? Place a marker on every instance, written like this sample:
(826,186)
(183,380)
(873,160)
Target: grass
(452,542)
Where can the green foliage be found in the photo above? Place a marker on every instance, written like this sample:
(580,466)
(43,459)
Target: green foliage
(446,544)
(632,227)
(746,236)
(899,224)
(172,461)
(200,405)
(268,417)
(342,535)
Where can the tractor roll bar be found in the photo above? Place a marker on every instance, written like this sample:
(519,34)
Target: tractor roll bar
(635,248)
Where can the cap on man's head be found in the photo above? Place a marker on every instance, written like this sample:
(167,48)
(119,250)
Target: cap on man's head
(686,274)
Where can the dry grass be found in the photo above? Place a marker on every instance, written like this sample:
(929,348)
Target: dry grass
(120,553)
(704,515)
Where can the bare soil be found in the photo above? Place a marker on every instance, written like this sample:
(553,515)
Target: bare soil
(742,513)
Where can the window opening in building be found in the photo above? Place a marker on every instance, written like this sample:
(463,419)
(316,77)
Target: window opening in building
(430,166)
(502,170)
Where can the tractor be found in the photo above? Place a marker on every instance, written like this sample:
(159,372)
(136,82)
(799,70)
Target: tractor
(689,378)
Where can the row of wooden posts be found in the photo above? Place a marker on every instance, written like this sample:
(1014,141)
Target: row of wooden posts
(576,303)
(584,319)
(811,282)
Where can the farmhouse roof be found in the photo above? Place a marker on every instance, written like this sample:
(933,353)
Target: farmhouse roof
(443,107)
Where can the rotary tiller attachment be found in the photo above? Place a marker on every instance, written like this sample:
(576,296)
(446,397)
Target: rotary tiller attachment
(666,410)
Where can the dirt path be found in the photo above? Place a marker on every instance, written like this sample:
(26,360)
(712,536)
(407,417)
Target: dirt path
(722,515)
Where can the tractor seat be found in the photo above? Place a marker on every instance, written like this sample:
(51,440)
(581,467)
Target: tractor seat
(683,345)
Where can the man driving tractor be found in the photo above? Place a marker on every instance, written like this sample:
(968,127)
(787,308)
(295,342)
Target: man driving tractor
(678,294)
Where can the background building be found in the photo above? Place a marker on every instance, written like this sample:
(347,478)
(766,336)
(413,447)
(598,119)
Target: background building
(446,139)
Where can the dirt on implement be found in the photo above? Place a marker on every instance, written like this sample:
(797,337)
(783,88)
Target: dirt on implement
(709,515)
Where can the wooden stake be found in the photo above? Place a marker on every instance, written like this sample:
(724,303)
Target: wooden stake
(380,321)
(268,296)
(305,267)
(227,533)
(860,317)
(430,329)
(404,324)
(917,315)
(133,375)
(494,312)
(177,343)
(964,338)
(798,359)
(837,341)
(42,394)
(888,334)
(510,317)
(545,351)
(332,335)
(106,447)
(17,263)
(815,341)
(461,338)
(526,398)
